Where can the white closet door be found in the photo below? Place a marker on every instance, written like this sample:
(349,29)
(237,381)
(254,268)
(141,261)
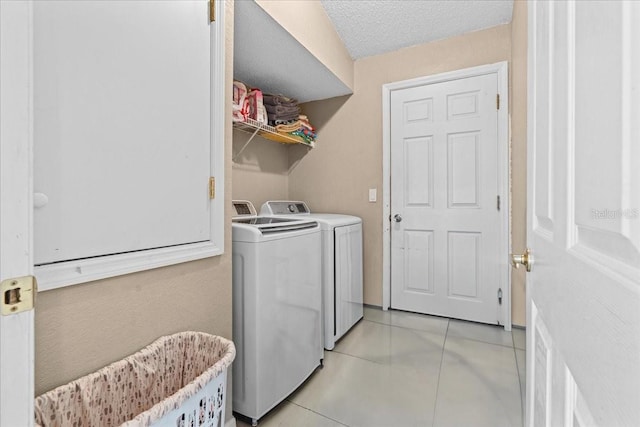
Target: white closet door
(122,115)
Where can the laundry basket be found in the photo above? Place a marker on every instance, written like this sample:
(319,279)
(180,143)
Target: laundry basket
(178,380)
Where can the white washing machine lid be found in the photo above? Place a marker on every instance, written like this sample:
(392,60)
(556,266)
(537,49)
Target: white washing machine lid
(296,209)
(249,227)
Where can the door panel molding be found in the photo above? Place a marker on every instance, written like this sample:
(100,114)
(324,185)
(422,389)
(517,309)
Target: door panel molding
(464,258)
(414,170)
(461,146)
(416,244)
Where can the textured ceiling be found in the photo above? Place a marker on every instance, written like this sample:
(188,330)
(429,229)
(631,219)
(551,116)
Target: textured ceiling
(266,56)
(372,27)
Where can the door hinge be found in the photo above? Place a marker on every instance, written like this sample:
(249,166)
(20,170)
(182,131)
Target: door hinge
(18,294)
(497,101)
(212,11)
(499,296)
(212,188)
(498,202)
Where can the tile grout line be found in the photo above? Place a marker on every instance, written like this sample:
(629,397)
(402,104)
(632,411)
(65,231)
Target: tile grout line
(318,413)
(435,404)
(404,327)
(356,357)
(428,331)
(480,341)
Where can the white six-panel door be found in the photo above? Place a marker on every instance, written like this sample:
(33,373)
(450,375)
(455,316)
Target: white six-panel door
(583,294)
(446,225)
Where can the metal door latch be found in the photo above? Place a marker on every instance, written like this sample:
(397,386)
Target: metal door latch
(18,294)
(525,259)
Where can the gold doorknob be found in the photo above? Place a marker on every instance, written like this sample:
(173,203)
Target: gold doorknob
(525,259)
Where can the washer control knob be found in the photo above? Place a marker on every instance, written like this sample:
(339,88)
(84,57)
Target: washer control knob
(291,207)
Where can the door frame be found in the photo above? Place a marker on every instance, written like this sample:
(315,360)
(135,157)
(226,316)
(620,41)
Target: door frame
(16,207)
(501,69)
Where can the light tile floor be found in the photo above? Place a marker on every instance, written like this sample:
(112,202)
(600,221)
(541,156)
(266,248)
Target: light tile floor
(397,369)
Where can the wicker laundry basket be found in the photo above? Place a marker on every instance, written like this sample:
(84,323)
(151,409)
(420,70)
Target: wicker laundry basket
(178,380)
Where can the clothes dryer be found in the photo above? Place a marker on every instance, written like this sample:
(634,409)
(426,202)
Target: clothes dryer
(341,265)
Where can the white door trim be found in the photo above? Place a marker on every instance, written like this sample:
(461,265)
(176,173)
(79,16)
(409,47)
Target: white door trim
(501,70)
(16,207)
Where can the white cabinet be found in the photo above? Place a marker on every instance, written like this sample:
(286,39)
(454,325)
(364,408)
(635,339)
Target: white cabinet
(128,130)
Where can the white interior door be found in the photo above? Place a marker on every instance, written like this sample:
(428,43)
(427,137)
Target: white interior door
(16,259)
(445,182)
(583,302)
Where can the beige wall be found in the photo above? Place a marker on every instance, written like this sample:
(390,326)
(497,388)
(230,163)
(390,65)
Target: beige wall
(261,171)
(347,162)
(518,104)
(82,328)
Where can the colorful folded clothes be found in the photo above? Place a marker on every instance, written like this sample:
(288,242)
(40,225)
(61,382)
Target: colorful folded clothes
(276,110)
(300,128)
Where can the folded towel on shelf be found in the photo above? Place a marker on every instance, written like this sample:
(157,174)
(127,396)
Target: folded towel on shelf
(282,119)
(289,127)
(281,110)
(279,100)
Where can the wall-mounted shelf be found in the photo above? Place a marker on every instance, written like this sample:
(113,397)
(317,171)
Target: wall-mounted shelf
(254,128)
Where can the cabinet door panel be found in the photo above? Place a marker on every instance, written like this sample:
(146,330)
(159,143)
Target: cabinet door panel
(122,110)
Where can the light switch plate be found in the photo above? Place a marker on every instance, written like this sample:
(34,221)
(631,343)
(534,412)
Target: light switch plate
(373,194)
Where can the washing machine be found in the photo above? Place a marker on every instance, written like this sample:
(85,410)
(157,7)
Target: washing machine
(341,265)
(277,307)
